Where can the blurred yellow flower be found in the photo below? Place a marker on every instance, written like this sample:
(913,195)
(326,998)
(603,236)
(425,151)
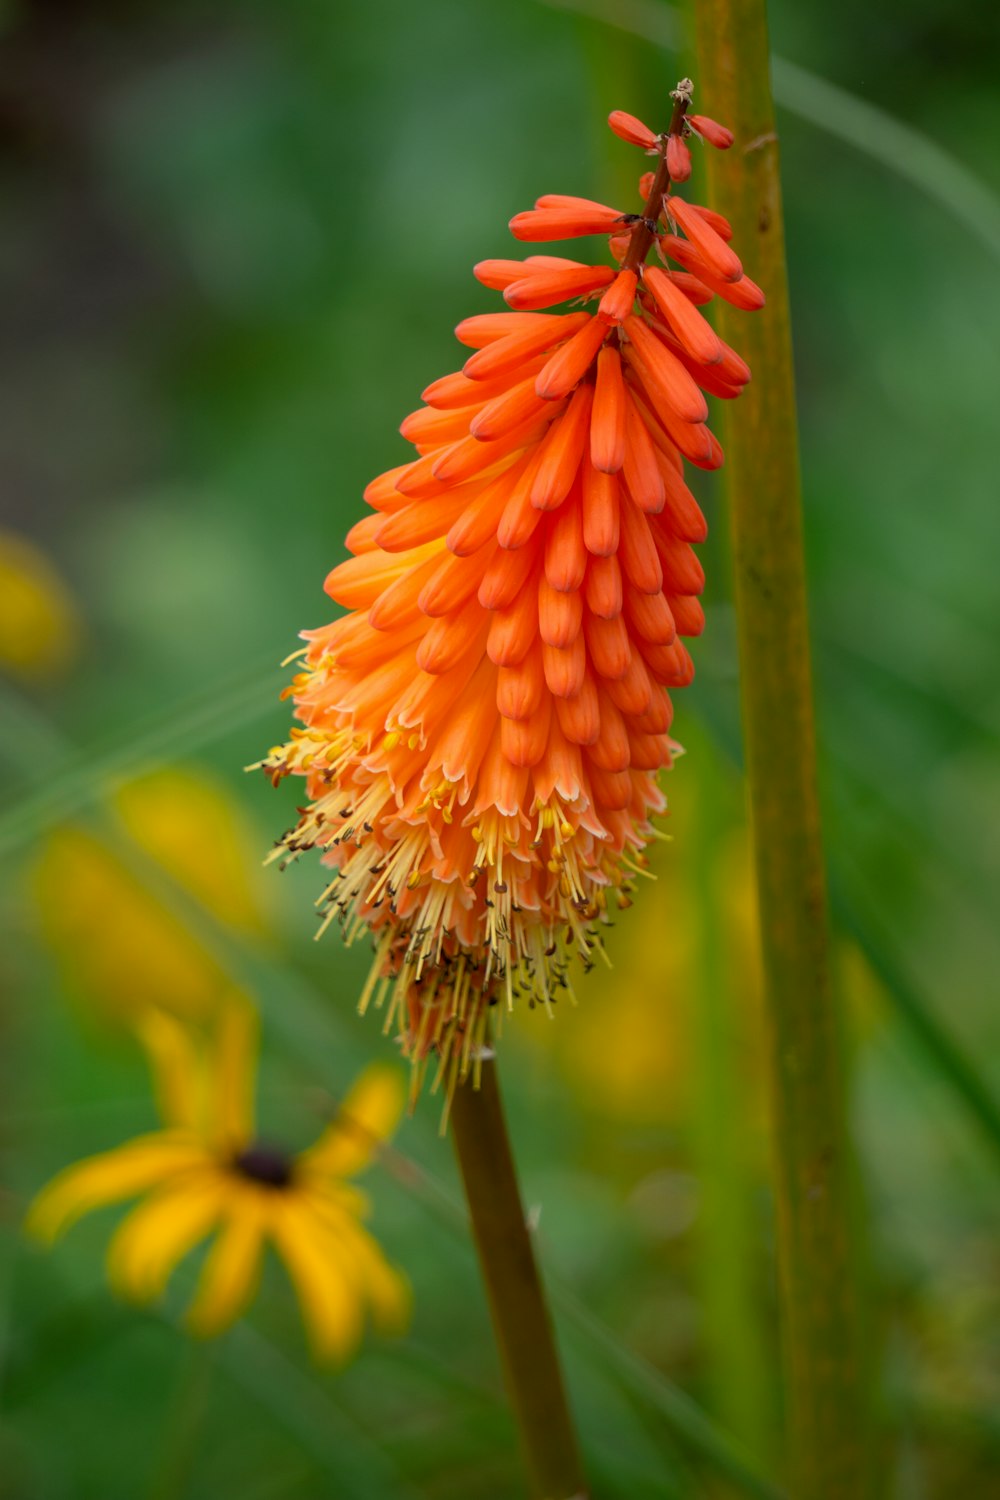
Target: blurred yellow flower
(121,947)
(190,825)
(641,1068)
(38,623)
(206,1172)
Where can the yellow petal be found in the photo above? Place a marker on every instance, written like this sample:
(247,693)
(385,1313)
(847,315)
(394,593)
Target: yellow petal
(329,1295)
(156,1235)
(388,1293)
(109,1178)
(146,956)
(232,1073)
(230,1274)
(39,629)
(174,1062)
(193,827)
(367,1117)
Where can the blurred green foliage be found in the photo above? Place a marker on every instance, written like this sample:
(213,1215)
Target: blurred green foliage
(236,238)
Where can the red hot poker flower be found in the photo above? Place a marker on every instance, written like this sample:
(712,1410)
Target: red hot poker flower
(481,732)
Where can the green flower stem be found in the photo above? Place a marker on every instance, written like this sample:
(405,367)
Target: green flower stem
(722,1026)
(520,1316)
(813,1173)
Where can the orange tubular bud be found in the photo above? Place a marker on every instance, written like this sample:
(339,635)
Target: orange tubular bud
(567,367)
(458,390)
(628,128)
(564,221)
(618,300)
(721,261)
(694,290)
(669,375)
(506,354)
(486,328)
(607,422)
(717,135)
(678,159)
(600,512)
(565,553)
(544,288)
(501,415)
(742,293)
(718,222)
(498,274)
(562,451)
(698,337)
(480,736)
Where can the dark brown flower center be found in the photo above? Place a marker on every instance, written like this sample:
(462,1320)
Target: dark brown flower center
(266,1164)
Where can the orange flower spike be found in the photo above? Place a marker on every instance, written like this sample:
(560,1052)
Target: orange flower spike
(480,735)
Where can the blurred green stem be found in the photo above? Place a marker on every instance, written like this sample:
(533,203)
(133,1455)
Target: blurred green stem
(741,1396)
(520,1316)
(813,1175)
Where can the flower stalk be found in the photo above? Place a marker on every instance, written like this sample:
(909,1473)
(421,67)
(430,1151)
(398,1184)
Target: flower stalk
(813,1182)
(521,1320)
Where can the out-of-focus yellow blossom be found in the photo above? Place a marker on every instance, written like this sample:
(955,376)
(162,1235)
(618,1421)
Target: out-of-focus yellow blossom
(635,1068)
(39,628)
(205,1172)
(121,947)
(188,823)
(639,1068)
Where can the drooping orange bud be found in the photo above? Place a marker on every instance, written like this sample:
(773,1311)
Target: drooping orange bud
(564,223)
(697,336)
(678,159)
(721,261)
(616,304)
(607,421)
(628,128)
(717,135)
(567,367)
(742,292)
(544,288)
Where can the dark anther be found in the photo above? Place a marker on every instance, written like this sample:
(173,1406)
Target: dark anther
(268,1165)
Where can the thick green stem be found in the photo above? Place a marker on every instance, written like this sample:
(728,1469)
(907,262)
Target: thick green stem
(517,1304)
(813,1178)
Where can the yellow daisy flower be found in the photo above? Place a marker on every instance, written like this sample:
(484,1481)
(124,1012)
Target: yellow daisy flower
(205,1171)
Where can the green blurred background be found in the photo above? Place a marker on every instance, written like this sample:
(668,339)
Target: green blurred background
(235,240)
